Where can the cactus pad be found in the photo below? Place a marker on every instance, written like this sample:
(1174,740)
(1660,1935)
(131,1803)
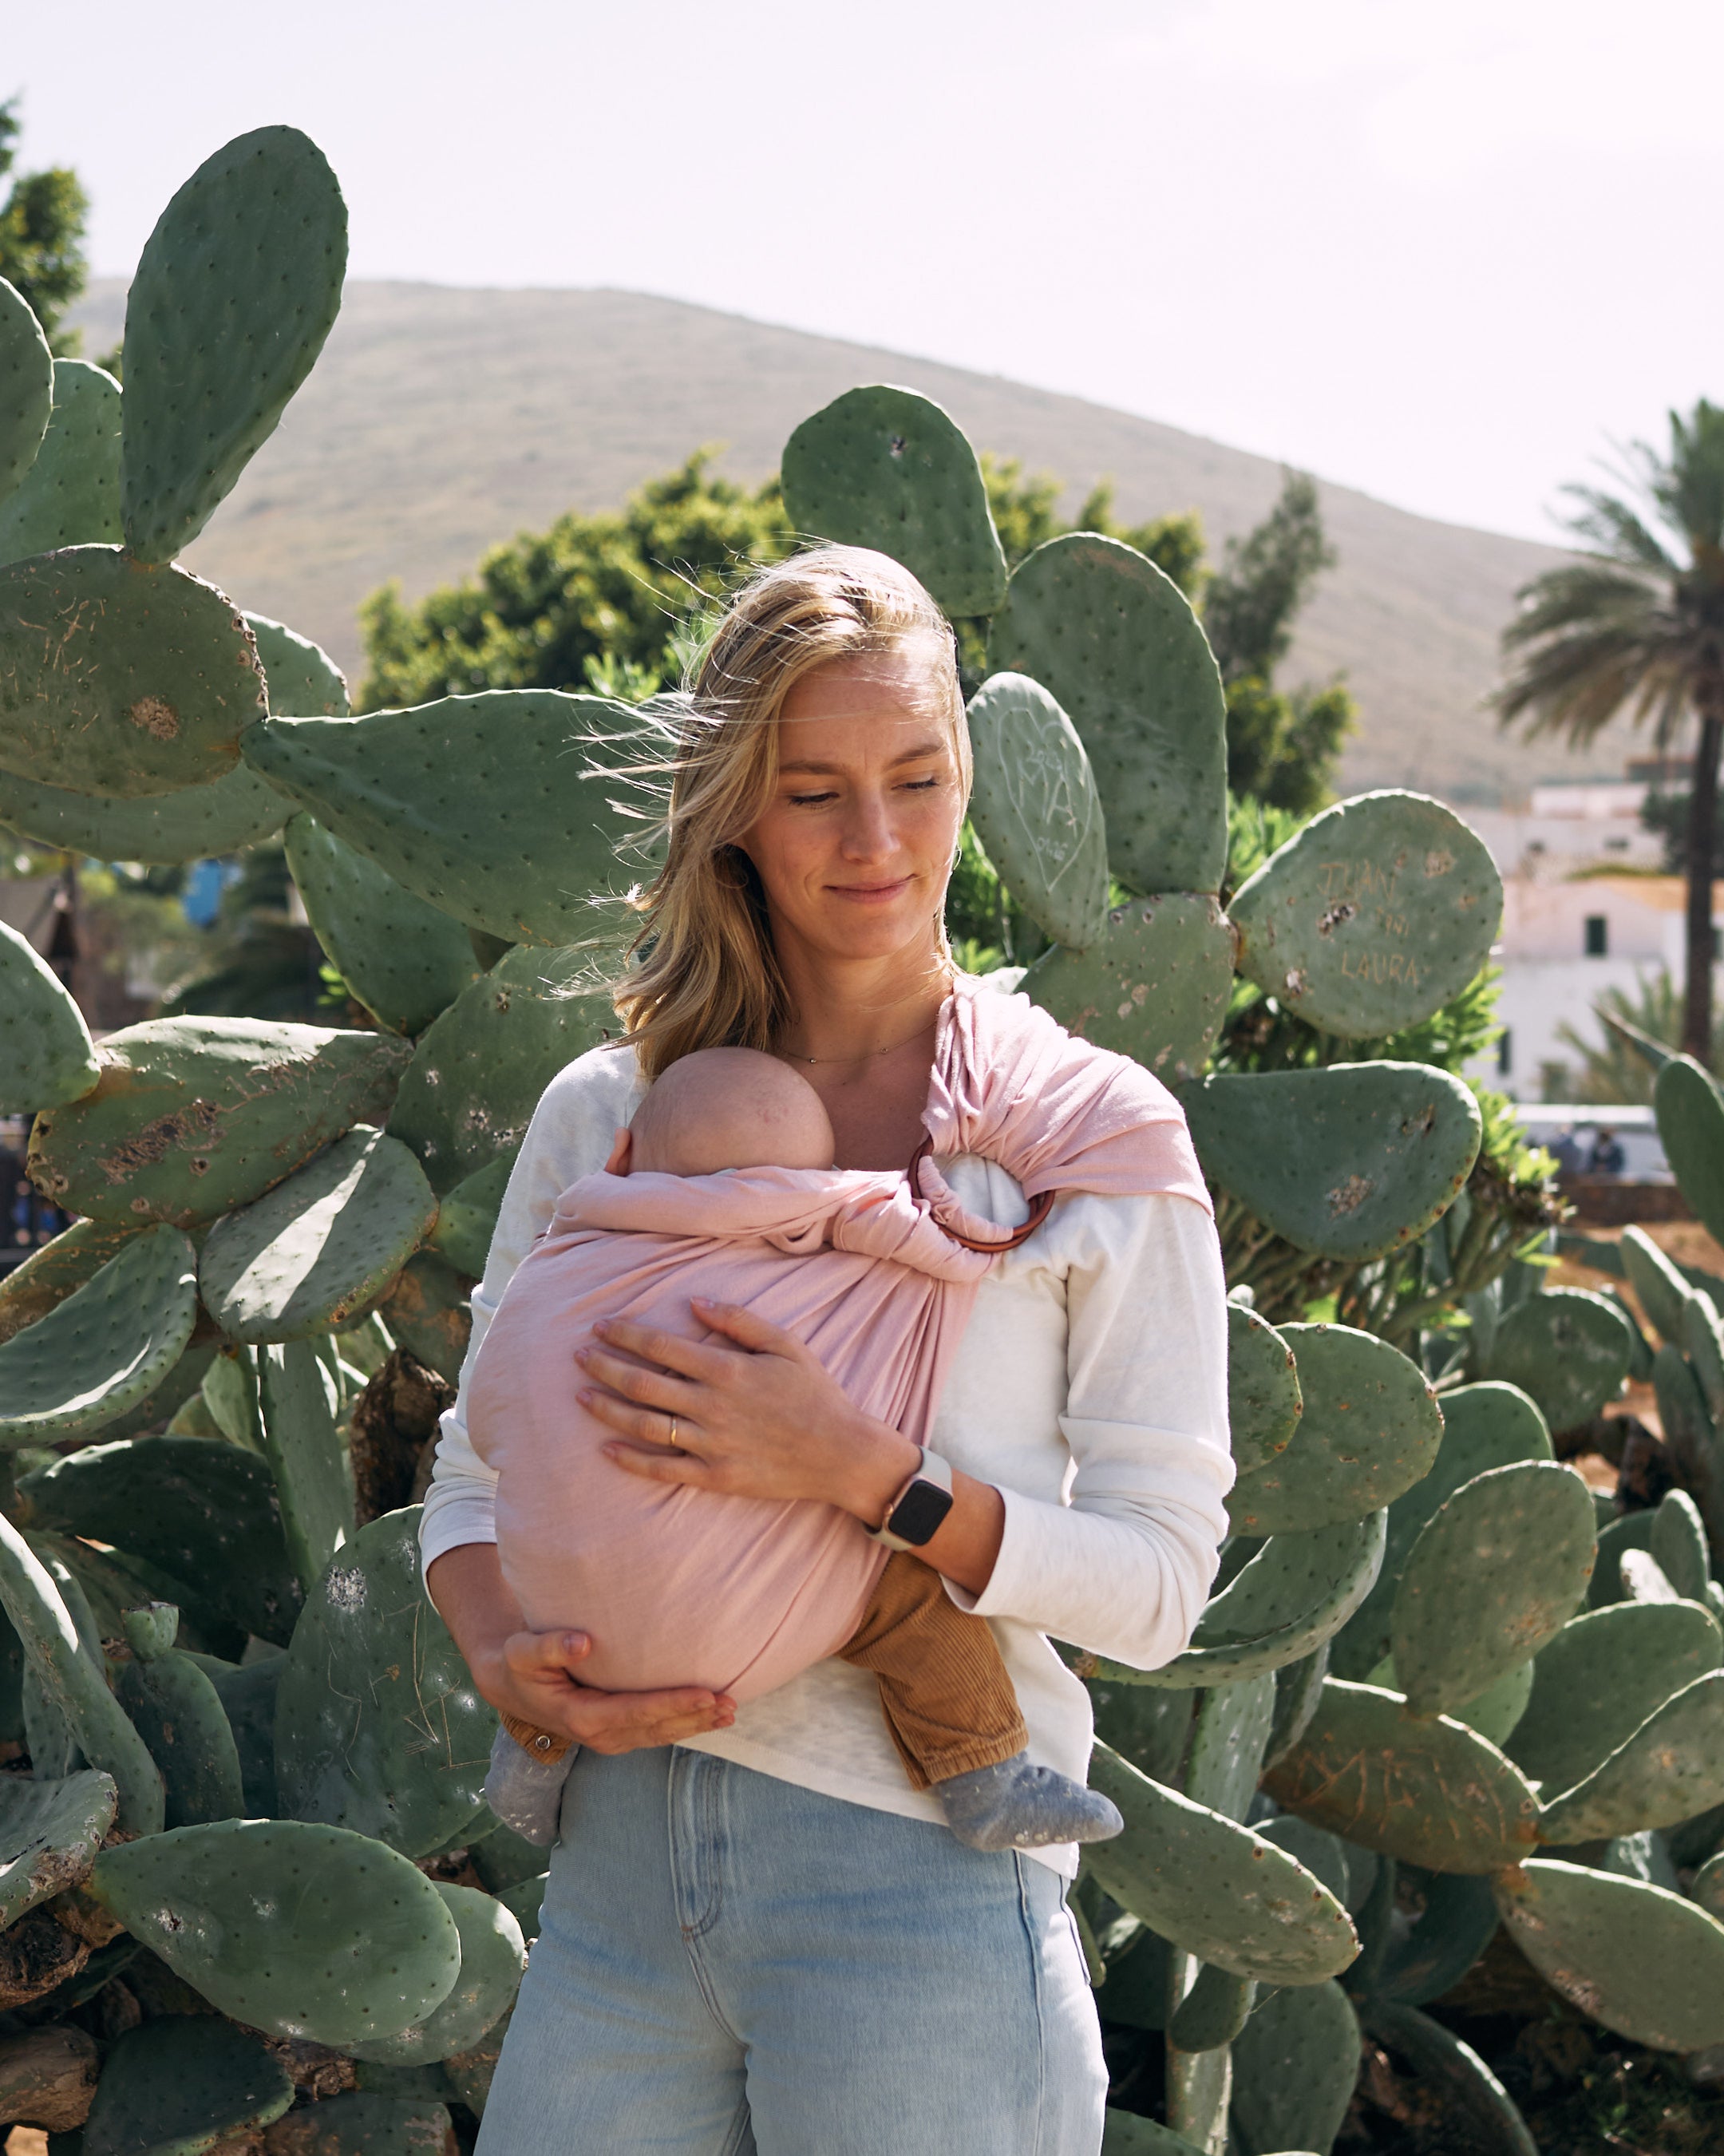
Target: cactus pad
(1264,1401)
(70,495)
(49,1835)
(493,1960)
(1370,1429)
(317,1250)
(1493,1576)
(1295,2065)
(402,958)
(1671,1769)
(1372,916)
(1212,2012)
(1035,808)
(246,259)
(1494,1712)
(1641,1960)
(886,467)
(434,797)
(1664,1295)
(365,2123)
(174,1708)
(1116,644)
(1600,1678)
(1384,1148)
(1689,1104)
(1484,1426)
(26,388)
(191,1116)
(427,1312)
(303,1445)
(105,1348)
(477,1073)
(1297,1592)
(1155,986)
(70,1681)
(1464,2087)
(1431,1791)
(49,1275)
(1679,1545)
(201,1509)
(304,681)
(46,1054)
(377,1725)
(1227,1740)
(180,2084)
(294,1929)
(1453,1929)
(467,1218)
(1215,1888)
(1568,1348)
(116,678)
(195,823)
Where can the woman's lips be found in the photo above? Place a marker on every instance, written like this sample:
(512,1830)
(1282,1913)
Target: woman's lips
(870,894)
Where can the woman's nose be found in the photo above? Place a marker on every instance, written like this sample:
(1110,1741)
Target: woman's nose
(869,833)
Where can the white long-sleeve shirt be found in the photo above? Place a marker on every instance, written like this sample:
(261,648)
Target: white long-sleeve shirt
(1090,1389)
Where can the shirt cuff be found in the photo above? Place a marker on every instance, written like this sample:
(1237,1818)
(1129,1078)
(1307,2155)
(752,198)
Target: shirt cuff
(451,1519)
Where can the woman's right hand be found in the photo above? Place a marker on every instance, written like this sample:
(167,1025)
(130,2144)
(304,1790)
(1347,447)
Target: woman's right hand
(535,1675)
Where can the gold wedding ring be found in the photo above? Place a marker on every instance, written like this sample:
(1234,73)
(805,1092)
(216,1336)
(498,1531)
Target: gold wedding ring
(671,1439)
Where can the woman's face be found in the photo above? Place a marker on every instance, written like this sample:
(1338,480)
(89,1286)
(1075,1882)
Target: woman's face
(855,849)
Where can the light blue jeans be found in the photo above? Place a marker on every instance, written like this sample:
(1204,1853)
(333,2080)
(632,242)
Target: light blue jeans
(732,1965)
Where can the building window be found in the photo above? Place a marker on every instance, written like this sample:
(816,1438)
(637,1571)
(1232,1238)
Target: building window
(1597,935)
(1504,1060)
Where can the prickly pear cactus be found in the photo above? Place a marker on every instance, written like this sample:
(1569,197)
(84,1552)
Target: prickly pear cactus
(216,1647)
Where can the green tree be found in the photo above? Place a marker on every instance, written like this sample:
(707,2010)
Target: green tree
(1636,625)
(1281,746)
(613,602)
(1264,579)
(586,601)
(42,235)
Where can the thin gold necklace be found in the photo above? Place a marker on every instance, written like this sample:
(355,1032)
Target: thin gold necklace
(865,1056)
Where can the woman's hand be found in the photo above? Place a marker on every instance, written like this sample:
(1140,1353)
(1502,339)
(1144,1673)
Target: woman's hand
(756,1415)
(535,1675)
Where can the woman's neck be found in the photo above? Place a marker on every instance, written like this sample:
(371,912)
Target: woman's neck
(852,1011)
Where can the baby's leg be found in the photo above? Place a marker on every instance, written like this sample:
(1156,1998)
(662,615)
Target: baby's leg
(524,1787)
(955,1719)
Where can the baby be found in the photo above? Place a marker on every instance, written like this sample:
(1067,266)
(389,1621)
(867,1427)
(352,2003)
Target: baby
(724,1186)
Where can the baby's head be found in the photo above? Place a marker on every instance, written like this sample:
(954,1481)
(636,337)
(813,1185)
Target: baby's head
(729,1108)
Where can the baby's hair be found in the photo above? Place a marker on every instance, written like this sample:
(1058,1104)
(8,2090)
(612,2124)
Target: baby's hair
(729,1108)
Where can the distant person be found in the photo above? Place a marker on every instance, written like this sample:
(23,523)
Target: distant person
(1565,1151)
(1607,1157)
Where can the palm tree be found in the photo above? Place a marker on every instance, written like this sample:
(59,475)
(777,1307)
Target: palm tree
(1637,624)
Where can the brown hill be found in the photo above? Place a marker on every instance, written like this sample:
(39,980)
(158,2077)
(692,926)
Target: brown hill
(440,420)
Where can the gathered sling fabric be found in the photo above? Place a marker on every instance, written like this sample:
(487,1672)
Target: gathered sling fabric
(875,1273)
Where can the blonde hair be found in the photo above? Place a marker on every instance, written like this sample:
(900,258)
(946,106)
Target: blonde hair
(705,973)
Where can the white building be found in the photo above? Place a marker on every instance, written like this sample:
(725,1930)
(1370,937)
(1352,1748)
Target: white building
(1585,907)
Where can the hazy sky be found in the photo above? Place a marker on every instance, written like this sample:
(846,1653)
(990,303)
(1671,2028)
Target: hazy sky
(1443,252)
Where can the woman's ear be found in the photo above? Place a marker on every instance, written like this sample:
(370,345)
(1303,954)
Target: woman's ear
(622,1146)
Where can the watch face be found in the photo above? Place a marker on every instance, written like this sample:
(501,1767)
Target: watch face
(919,1512)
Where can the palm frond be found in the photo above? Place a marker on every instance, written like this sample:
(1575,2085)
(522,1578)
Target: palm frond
(1613,529)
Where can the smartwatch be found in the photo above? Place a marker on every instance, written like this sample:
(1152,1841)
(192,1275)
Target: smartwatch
(914,1516)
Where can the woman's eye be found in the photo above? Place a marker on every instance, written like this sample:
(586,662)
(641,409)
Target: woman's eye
(808,800)
(922,785)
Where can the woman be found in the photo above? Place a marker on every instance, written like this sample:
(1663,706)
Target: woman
(757,1936)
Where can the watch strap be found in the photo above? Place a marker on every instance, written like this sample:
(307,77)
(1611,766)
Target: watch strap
(932,1473)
